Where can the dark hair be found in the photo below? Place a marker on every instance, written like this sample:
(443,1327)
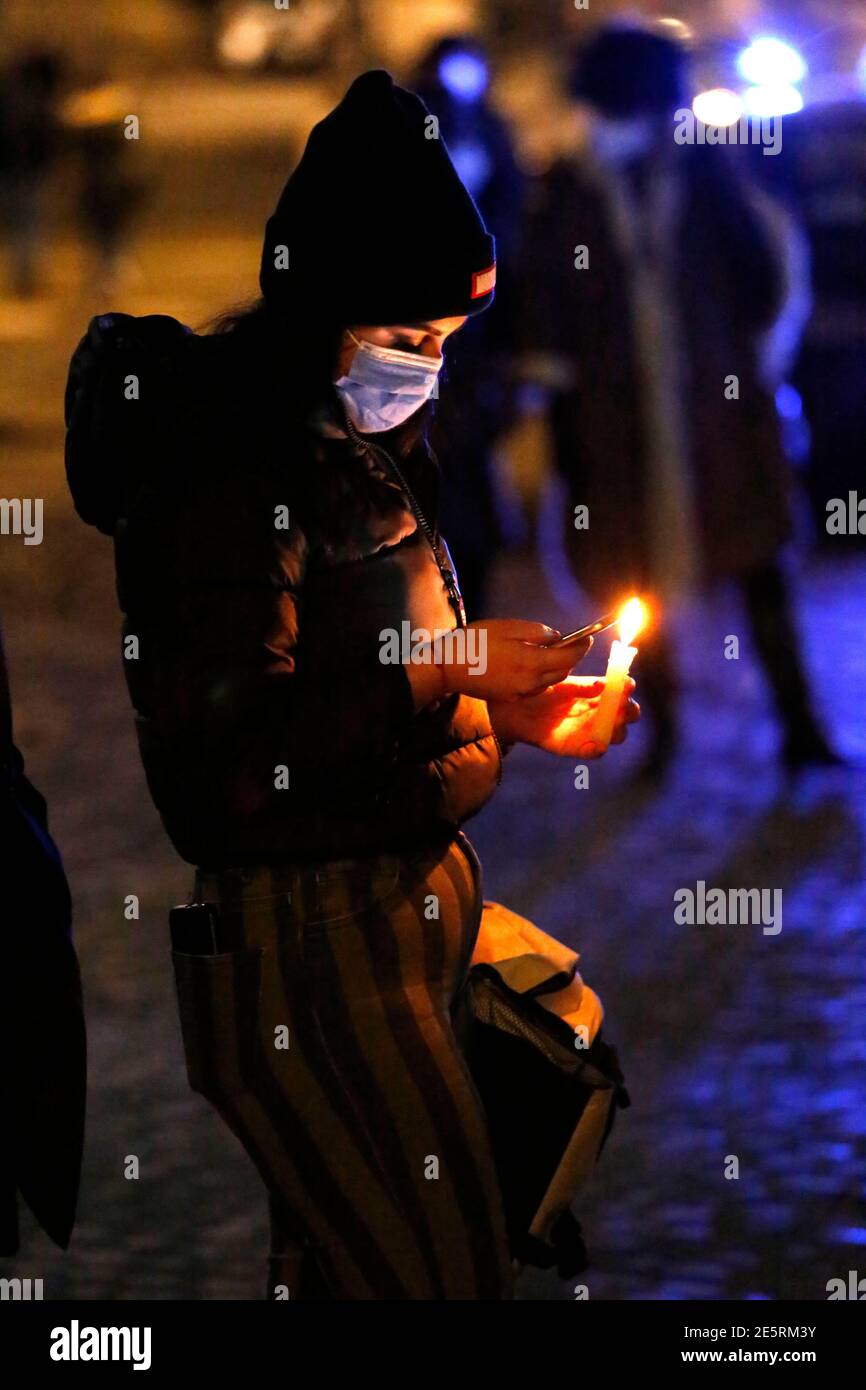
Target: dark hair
(289,372)
(40,69)
(626,70)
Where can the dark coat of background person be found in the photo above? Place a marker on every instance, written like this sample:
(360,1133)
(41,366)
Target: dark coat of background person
(477,400)
(43,1030)
(259,647)
(822,177)
(30,142)
(729,289)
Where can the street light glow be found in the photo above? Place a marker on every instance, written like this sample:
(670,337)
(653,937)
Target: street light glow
(719,107)
(770,62)
(768,101)
(244,41)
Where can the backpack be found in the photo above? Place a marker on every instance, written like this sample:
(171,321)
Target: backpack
(120,377)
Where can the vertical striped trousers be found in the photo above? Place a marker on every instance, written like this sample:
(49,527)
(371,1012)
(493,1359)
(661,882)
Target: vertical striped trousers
(324,1040)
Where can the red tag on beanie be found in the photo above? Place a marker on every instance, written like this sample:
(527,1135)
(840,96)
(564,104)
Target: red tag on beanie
(483,281)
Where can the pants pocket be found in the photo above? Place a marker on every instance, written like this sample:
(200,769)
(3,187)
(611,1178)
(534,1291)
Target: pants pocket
(340,896)
(218,1001)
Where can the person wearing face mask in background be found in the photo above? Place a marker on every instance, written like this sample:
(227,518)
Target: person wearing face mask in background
(275,520)
(687,276)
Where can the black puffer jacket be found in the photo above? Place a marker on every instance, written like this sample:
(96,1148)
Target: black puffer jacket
(258,648)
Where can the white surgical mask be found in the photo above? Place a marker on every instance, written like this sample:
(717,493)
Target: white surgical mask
(385,386)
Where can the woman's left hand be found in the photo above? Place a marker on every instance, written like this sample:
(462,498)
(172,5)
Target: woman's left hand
(560,718)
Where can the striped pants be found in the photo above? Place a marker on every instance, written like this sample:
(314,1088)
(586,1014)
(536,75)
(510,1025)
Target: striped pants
(324,1039)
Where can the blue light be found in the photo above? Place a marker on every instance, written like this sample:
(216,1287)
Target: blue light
(464,75)
(789,402)
(775,100)
(848,1235)
(771,63)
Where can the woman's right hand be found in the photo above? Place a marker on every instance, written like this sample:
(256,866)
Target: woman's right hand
(505,659)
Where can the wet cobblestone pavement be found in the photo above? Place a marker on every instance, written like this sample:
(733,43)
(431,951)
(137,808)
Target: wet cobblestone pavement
(734,1042)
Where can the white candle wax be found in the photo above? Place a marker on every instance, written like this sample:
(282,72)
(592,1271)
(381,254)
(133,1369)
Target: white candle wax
(618,667)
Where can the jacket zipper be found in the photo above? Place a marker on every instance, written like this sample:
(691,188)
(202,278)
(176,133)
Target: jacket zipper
(449,578)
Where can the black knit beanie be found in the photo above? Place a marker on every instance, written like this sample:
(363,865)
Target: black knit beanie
(374,225)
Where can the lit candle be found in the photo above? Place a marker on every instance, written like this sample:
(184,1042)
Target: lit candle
(622,654)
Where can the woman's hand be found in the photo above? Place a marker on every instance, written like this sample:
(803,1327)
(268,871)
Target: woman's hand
(560,719)
(513,659)
(496,659)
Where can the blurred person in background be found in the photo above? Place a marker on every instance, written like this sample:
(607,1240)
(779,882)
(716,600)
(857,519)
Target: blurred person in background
(687,278)
(108,191)
(476,404)
(275,518)
(30,139)
(823,174)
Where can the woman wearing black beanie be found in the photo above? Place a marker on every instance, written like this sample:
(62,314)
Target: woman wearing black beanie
(312,745)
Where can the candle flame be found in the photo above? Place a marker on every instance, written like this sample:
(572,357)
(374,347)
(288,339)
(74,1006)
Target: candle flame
(631,620)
